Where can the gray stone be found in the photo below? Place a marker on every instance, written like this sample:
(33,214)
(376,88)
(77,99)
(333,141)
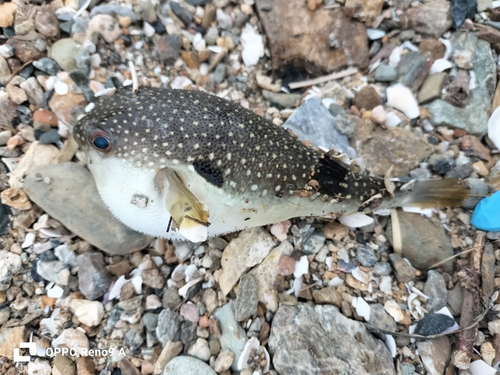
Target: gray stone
(435,354)
(133,338)
(313,243)
(282,99)
(72,199)
(365,256)
(425,242)
(187,365)
(93,277)
(435,289)
(325,342)
(381,319)
(212,35)
(455,298)
(53,271)
(478,190)
(382,269)
(168,48)
(233,336)
(50,137)
(312,122)
(150,321)
(412,69)
(171,298)
(181,13)
(245,305)
(47,65)
(385,73)
(63,52)
(11,265)
(168,328)
(337,110)
(474,116)
(219,73)
(113,10)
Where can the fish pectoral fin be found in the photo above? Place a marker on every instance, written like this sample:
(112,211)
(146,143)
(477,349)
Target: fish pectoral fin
(189,214)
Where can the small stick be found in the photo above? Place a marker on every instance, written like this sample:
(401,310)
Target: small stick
(470,280)
(330,77)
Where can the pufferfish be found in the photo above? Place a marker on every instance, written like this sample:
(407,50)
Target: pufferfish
(183,164)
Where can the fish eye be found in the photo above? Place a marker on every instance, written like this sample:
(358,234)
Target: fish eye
(101,141)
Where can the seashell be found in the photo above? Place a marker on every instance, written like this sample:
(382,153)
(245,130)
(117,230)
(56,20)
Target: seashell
(356,220)
(494,128)
(440,65)
(401,98)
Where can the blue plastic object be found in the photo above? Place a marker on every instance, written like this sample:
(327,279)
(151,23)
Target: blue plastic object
(486,215)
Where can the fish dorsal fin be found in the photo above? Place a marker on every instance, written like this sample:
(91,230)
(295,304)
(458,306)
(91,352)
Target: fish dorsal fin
(188,213)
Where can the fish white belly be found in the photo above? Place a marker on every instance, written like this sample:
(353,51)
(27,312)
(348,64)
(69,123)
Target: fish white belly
(129,192)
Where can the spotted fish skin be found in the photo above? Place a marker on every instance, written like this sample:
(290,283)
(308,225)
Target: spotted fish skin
(247,171)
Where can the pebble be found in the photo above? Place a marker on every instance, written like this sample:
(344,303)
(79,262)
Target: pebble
(435,354)
(381,319)
(366,256)
(168,326)
(26,50)
(50,137)
(200,350)
(89,313)
(245,305)
(253,45)
(106,26)
(248,249)
(186,365)
(100,228)
(328,296)
(314,123)
(169,48)
(382,269)
(7,14)
(313,243)
(367,98)
(233,336)
(424,241)
(190,312)
(402,269)
(39,367)
(93,277)
(63,52)
(394,310)
(433,324)
(401,98)
(11,266)
(282,99)
(223,361)
(378,115)
(54,271)
(431,88)
(374,34)
(478,190)
(435,289)
(328,334)
(63,365)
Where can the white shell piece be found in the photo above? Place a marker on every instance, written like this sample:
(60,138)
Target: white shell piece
(356,220)
(494,128)
(362,308)
(401,98)
(440,65)
(479,367)
(252,343)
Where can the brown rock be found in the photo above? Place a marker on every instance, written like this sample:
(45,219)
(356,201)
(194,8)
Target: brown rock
(367,98)
(10,339)
(363,10)
(473,147)
(432,18)
(491,35)
(425,242)
(169,351)
(25,50)
(314,4)
(63,365)
(153,278)
(16,198)
(433,48)
(47,23)
(127,368)
(396,147)
(431,89)
(208,17)
(322,41)
(5,71)
(16,94)
(121,268)
(335,231)
(329,296)
(85,366)
(7,14)
(191,59)
(286,265)
(44,116)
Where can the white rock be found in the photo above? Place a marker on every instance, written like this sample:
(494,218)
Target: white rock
(335,282)
(374,34)
(362,308)
(378,115)
(401,98)
(301,267)
(28,240)
(394,310)
(74,339)
(39,367)
(280,230)
(494,128)
(61,88)
(357,220)
(89,313)
(479,367)
(440,65)
(55,292)
(180,82)
(253,46)
(149,30)
(252,345)
(191,272)
(385,285)
(223,361)
(200,350)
